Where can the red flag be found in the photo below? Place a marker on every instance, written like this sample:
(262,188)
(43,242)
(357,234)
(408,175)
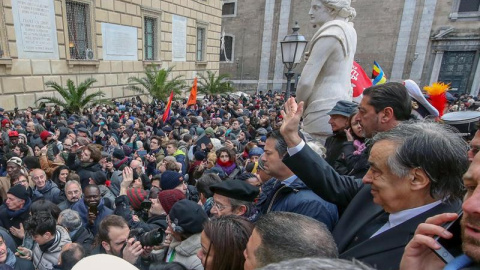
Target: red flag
(166,114)
(192,100)
(359,80)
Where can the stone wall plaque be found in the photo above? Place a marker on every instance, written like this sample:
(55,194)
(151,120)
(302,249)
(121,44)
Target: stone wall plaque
(35,29)
(179,38)
(119,42)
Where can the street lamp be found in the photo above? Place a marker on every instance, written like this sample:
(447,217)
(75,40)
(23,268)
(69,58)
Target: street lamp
(293,47)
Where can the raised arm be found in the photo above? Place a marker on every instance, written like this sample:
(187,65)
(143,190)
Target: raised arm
(312,169)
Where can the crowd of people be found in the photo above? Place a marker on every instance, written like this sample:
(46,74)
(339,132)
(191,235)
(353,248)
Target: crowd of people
(233,183)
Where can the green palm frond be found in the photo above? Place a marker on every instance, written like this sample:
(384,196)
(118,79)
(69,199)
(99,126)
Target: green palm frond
(212,84)
(75,98)
(156,83)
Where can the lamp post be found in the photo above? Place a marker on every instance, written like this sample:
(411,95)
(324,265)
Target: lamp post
(293,46)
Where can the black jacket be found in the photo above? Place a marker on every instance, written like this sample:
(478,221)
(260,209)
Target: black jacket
(84,170)
(334,144)
(6,221)
(383,251)
(84,238)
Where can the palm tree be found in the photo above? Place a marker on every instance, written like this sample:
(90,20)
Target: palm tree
(212,84)
(75,99)
(156,83)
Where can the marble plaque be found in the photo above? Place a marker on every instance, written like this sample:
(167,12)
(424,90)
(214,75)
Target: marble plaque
(119,42)
(179,38)
(35,29)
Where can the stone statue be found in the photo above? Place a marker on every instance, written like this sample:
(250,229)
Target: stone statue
(325,78)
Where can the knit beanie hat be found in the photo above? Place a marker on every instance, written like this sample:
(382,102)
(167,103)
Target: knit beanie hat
(99,178)
(200,155)
(168,198)
(188,215)
(210,131)
(136,196)
(13,133)
(20,192)
(44,135)
(118,153)
(170,180)
(5,122)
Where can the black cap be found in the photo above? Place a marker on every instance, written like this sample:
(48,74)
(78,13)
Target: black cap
(344,108)
(236,189)
(188,215)
(20,192)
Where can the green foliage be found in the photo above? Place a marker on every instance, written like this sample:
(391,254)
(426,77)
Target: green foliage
(212,84)
(156,83)
(75,99)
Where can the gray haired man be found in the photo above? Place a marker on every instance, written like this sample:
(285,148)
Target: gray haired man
(415,172)
(71,221)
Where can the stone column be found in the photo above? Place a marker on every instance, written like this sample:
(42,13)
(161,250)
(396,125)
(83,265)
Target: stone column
(421,46)
(266,45)
(437,64)
(282,32)
(476,81)
(403,40)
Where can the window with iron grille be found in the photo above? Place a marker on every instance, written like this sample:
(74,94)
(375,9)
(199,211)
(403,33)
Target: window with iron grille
(79,32)
(150,38)
(226,49)
(201,44)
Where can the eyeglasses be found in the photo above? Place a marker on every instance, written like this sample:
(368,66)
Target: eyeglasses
(218,206)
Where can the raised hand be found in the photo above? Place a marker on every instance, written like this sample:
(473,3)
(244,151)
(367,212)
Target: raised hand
(292,113)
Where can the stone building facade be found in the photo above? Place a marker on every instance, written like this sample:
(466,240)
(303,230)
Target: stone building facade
(109,40)
(423,40)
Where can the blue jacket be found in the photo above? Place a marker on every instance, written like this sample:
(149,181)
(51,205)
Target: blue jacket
(82,210)
(50,192)
(296,197)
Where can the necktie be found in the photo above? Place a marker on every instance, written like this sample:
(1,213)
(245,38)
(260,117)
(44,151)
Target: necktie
(369,229)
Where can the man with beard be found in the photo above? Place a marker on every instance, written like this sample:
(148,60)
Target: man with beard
(73,192)
(113,236)
(418,253)
(88,162)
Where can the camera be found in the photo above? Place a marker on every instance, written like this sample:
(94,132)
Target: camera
(151,238)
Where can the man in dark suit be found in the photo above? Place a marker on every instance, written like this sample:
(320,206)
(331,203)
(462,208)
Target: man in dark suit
(415,172)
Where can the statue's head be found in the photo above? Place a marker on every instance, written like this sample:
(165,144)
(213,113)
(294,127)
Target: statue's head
(322,11)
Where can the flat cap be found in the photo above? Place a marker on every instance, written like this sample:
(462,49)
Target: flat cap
(236,189)
(344,108)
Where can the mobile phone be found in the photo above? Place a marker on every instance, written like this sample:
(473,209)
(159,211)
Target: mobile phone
(92,208)
(141,153)
(450,248)
(20,252)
